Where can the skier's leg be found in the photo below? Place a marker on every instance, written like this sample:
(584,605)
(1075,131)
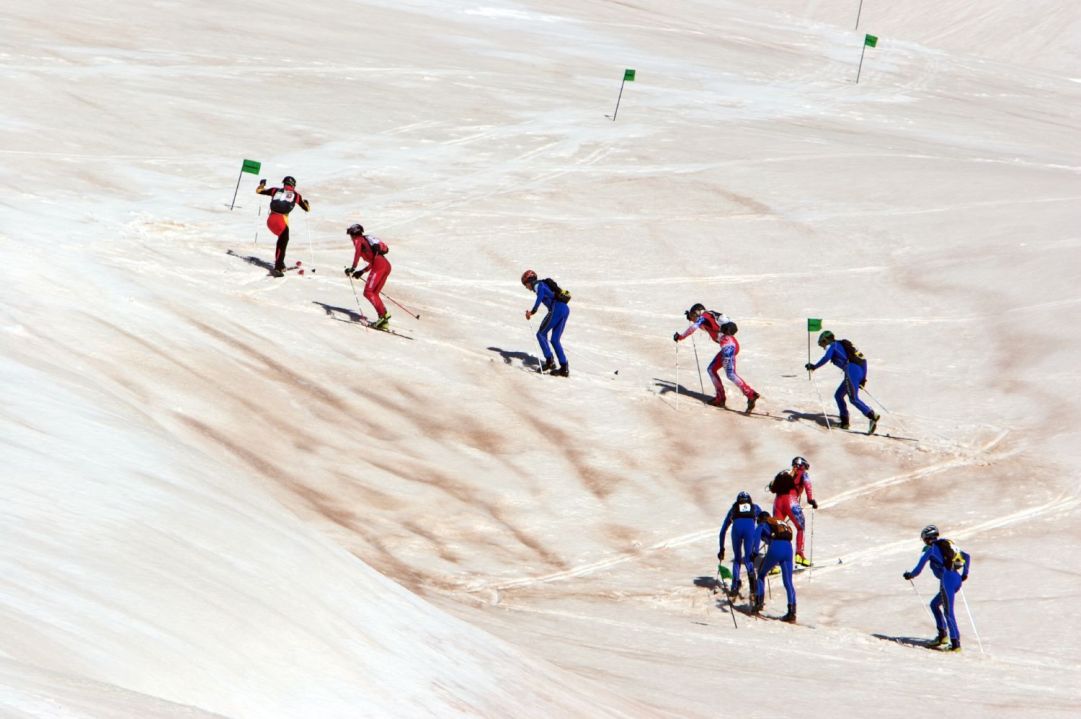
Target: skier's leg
(279,251)
(560,312)
(839,397)
(936,612)
(795,511)
(734,378)
(781,506)
(542,336)
(786,577)
(377,275)
(714,372)
(767,565)
(951,582)
(853,377)
(737,556)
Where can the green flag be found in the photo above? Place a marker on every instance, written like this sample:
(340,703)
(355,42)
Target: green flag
(628,75)
(251,166)
(814,325)
(870,40)
(724,571)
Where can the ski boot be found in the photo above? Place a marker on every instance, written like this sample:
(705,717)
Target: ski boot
(955,646)
(791,616)
(278,272)
(733,591)
(757,603)
(563,371)
(940,641)
(843,424)
(382,322)
(750,402)
(874,423)
(718,401)
(802,561)
(548,366)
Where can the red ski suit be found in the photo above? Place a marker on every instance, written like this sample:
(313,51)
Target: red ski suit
(373,251)
(786,504)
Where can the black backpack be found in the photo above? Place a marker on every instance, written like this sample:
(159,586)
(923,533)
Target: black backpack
(854,355)
(561,295)
(783,483)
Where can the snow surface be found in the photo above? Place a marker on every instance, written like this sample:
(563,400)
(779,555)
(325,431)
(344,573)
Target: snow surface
(223,497)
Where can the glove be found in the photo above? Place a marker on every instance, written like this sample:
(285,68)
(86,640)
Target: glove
(528,314)
(809,367)
(720,555)
(964,579)
(359,273)
(863,383)
(813,503)
(675,336)
(350,270)
(262,182)
(306,206)
(907,575)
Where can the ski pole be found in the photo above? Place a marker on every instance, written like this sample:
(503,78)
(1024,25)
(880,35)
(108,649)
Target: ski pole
(920,598)
(823,403)
(810,570)
(677,376)
(356,297)
(724,588)
(411,312)
(311,250)
(864,390)
(258,216)
(701,384)
(970,620)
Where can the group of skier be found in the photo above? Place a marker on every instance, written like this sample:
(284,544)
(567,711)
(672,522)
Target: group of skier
(752,528)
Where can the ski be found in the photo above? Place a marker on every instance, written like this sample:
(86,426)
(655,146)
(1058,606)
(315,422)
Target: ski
(916,642)
(385,330)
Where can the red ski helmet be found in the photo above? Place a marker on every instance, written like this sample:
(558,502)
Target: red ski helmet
(528,278)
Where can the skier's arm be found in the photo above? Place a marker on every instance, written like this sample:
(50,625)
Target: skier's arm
(303,203)
(690,330)
(810,491)
(544,292)
(968,563)
(724,529)
(359,243)
(263,190)
(919,565)
(826,357)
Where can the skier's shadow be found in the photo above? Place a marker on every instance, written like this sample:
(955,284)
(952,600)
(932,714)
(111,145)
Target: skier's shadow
(332,311)
(509,356)
(666,386)
(816,417)
(907,641)
(253,260)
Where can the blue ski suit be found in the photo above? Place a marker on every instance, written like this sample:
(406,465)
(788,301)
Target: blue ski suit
(855,371)
(742,519)
(949,584)
(779,552)
(553,323)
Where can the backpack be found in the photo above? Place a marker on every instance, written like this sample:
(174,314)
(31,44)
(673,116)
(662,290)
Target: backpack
(854,355)
(378,246)
(951,555)
(719,317)
(561,295)
(782,483)
(780,530)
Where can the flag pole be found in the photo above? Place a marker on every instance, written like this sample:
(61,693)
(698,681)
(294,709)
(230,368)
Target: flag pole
(237,188)
(860,69)
(858,13)
(616,111)
(808,352)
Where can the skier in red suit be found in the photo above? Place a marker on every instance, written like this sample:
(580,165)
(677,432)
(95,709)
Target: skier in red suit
(373,251)
(788,486)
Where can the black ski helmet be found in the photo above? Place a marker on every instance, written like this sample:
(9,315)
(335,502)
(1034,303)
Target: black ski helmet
(289,181)
(529,278)
(763,515)
(696,307)
(825,339)
(929,533)
(355,229)
(801,463)
(743,497)
(729,328)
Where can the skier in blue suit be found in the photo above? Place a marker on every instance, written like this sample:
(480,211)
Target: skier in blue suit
(778,536)
(741,517)
(950,565)
(852,362)
(555,299)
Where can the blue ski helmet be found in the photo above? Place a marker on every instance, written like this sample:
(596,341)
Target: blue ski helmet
(929,533)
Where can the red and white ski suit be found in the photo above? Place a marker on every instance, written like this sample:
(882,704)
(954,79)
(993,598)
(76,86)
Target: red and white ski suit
(786,505)
(372,250)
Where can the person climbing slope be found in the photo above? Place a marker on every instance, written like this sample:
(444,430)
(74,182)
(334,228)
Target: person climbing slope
(555,299)
(282,201)
(854,366)
(373,251)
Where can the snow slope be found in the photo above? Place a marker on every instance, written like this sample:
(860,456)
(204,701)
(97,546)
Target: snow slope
(225,497)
